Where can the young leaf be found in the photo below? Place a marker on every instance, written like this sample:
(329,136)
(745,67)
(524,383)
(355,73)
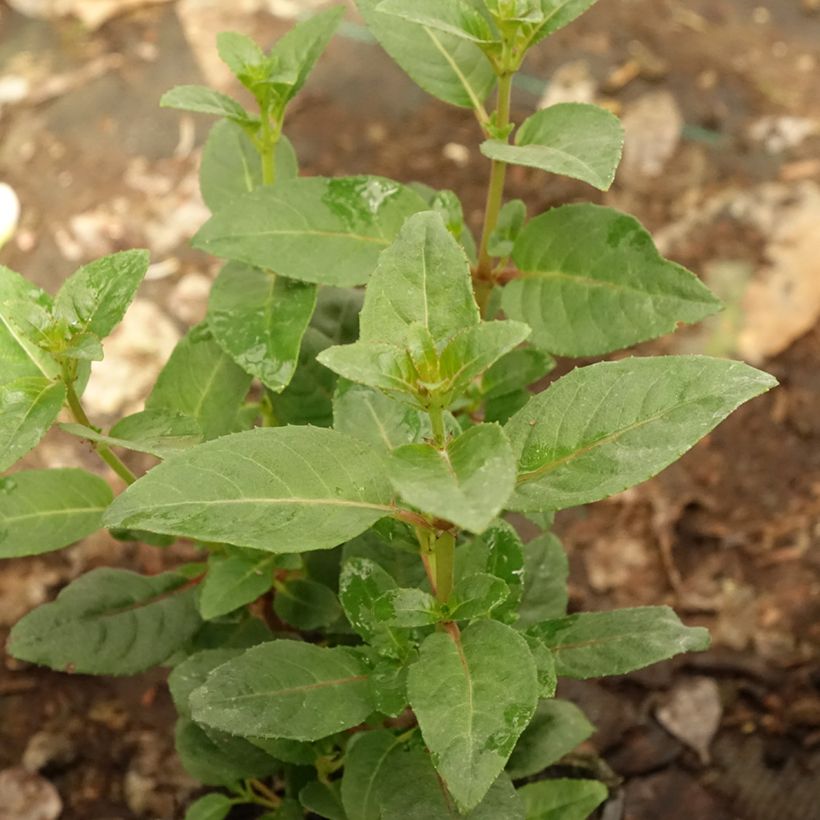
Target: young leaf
(388,686)
(28,407)
(557,728)
(557,14)
(593,644)
(285,489)
(157,432)
(374,364)
(94,298)
(511,220)
(612,425)
(286,689)
(209,807)
(562,799)
(323,799)
(505,384)
(238,52)
(473,695)
(406,609)
(361,584)
(544,665)
(367,755)
(371,416)
(455,17)
(477,596)
(302,46)
(422,280)
(306,604)
(447,66)
(545,581)
(468,483)
(328,231)
(594,282)
(259,319)
(109,622)
(409,789)
(233,580)
(230,165)
(572,139)
(394,548)
(45,510)
(202,100)
(203,382)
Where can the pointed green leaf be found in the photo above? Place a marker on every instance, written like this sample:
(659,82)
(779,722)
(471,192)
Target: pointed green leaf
(422,279)
(28,407)
(306,604)
(45,510)
(557,728)
(301,47)
(562,799)
(593,644)
(468,483)
(510,222)
(238,52)
(231,166)
(203,382)
(202,100)
(447,66)
(210,807)
(259,319)
(545,581)
(607,427)
(374,364)
(286,689)
(361,585)
(329,231)
(109,622)
(593,281)
(233,580)
(572,139)
(473,695)
(367,755)
(454,17)
(285,489)
(323,799)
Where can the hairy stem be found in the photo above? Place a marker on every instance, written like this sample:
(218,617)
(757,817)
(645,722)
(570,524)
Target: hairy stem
(103,451)
(445,552)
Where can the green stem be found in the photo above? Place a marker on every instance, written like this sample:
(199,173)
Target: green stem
(445,551)
(437,422)
(103,451)
(267,148)
(495,198)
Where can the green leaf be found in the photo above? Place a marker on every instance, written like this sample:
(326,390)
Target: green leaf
(286,489)
(231,166)
(545,666)
(593,644)
(572,139)
(219,759)
(361,584)
(193,672)
(372,417)
(557,729)
(367,755)
(499,552)
(109,622)
(94,298)
(422,280)
(410,789)
(238,52)
(558,13)
(286,689)
(259,319)
(323,799)
(477,596)
(289,751)
(395,550)
(233,580)
(388,686)
(306,604)
(510,222)
(562,799)
(453,17)
(607,427)
(203,382)
(447,66)
(289,810)
(210,807)
(373,364)
(302,46)
(473,695)
(517,369)
(202,100)
(20,356)
(157,432)
(593,282)
(468,483)
(545,581)
(45,510)
(328,231)
(406,608)
(28,407)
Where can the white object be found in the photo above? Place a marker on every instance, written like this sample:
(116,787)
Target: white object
(9,212)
